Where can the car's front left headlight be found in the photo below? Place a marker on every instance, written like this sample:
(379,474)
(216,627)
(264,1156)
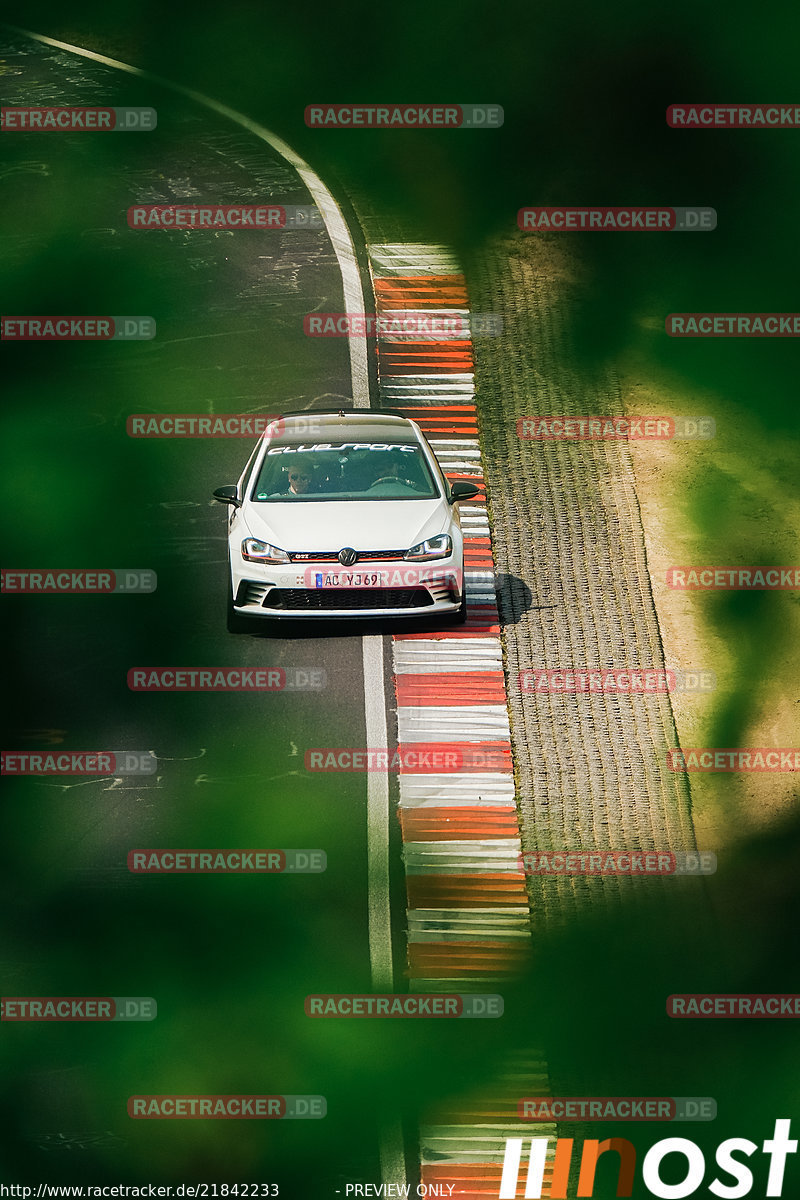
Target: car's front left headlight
(435,547)
(262,552)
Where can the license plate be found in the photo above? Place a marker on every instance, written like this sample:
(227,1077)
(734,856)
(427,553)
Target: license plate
(348,579)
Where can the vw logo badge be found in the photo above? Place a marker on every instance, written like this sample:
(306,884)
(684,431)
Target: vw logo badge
(347,556)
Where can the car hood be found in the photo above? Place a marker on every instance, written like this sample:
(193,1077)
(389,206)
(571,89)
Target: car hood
(371,525)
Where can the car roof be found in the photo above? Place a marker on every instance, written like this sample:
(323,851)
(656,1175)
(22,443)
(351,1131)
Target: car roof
(361,425)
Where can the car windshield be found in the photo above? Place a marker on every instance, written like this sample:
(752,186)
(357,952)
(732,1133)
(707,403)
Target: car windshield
(348,471)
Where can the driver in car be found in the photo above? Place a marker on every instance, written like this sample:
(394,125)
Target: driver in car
(391,478)
(299,482)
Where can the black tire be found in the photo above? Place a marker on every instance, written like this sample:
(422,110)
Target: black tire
(459,617)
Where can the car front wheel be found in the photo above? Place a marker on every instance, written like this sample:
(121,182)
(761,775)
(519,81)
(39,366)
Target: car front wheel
(460,616)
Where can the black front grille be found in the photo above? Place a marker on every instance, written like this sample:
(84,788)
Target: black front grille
(344,599)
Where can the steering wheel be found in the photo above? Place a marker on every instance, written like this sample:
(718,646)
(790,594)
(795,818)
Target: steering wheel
(394,479)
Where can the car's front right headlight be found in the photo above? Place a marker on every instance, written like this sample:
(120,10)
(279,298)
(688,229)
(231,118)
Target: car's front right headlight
(435,547)
(262,552)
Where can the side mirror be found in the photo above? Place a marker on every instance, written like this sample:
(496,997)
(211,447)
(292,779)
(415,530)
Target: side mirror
(229,494)
(462,491)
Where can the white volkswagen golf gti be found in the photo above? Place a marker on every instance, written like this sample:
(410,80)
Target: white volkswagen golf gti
(344,514)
